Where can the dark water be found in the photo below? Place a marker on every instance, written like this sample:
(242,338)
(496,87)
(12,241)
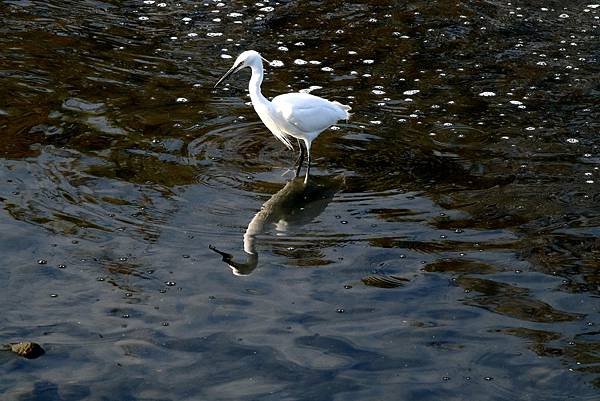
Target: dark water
(447,246)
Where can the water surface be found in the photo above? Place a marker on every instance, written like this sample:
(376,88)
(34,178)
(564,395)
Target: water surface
(446,247)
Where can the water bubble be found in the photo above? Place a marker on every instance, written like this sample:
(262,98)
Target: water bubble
(563,16)
(192,34)
(170,283)
(347,286)
(299,61)
(573,140)
(53,295)
(143,18)
(487,94)
(340,310)
(411,92)
(42,261)
(515,102)
(368,61)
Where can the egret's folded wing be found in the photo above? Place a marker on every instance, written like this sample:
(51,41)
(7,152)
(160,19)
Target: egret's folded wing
(308,113)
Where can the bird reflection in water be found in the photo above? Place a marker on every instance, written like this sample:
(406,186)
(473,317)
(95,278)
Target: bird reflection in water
(296,204)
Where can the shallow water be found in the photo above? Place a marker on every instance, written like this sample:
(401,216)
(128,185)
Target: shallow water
(446,247)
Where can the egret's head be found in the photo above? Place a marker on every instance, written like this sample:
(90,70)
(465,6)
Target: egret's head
(248,58)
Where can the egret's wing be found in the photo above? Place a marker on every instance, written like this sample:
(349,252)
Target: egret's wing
(308,113)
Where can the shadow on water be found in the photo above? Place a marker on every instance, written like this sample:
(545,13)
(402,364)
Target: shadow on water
(293,206)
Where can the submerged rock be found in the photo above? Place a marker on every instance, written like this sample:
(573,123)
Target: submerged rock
(27,349)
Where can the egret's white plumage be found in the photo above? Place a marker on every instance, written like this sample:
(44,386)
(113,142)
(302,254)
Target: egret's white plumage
(293,115)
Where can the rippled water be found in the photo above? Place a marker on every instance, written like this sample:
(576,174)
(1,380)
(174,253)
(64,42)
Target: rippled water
(446,247)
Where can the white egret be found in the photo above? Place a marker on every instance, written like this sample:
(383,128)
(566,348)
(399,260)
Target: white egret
(293,115)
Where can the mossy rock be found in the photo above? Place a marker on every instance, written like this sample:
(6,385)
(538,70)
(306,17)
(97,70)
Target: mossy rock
(27,349)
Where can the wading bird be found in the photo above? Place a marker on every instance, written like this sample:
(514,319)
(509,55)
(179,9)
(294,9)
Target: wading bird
(293,115)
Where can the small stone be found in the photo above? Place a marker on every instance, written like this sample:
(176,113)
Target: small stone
(27,349)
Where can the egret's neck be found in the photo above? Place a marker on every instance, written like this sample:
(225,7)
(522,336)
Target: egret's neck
(254,86)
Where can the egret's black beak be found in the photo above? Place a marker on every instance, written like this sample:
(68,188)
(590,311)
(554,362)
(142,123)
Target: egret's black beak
(232,70)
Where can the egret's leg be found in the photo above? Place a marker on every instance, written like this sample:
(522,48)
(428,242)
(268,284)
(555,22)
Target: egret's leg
(300,158)
(307,142)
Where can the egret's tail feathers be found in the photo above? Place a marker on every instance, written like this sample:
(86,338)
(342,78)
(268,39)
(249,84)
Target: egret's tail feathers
(344,109)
